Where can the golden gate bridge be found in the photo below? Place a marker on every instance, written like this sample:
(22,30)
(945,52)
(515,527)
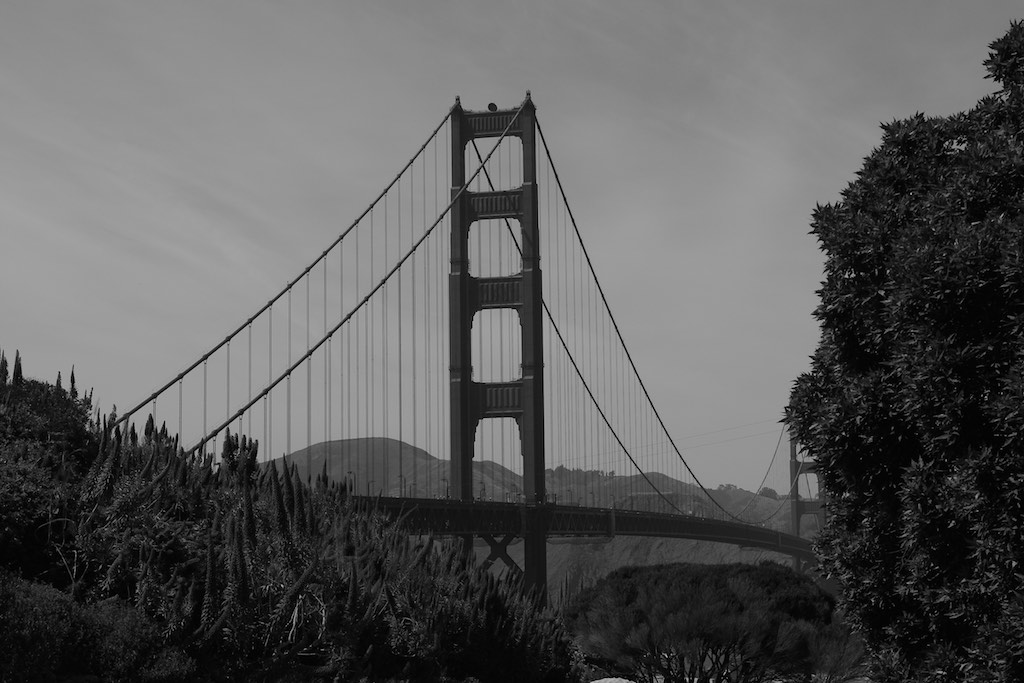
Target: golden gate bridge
(453,355)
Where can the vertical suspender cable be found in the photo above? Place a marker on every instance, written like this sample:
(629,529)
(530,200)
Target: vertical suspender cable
(309,395)
(288,386)
(249,397)
(589,355)
(227,381)
(427,386)
(385,456)
(354,392)
(328,380)
(401,378)
(415,334)
(204,398)
(366,396)
(270,376)
(328,401)
(579,403)
(344,374)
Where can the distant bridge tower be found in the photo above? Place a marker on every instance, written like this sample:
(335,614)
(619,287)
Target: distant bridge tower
(522,399)
(799,508)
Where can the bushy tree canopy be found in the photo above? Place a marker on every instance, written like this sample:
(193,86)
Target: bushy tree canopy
(914,406)
(686,622)
(46,443)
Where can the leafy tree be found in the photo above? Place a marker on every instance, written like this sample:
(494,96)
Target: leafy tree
(685,622)
(768,492)
(912,407)
(46,443)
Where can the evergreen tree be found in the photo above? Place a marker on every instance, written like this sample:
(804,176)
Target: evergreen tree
(16,377)
(912,407)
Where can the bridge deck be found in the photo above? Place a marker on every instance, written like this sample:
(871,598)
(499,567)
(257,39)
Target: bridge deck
(453,518)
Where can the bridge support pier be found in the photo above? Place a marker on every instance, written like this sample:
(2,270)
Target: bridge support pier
(499,551)
(535,550)
(522,399)
(799,508)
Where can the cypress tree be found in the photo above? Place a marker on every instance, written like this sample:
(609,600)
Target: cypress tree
(279,505)
(74,389)
(310,515)
(289,491)
(150,429)
(17,377)
(58,380)
(247,513)
(299,509)
(209,584)
(241,569)
(323,480)
(3,369)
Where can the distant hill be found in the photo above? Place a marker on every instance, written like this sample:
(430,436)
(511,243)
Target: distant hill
(381,466)
(375,466)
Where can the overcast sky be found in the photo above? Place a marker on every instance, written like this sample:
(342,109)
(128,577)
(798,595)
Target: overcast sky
(165,167)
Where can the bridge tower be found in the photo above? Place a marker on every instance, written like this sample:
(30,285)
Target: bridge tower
(522,399)
(799,508)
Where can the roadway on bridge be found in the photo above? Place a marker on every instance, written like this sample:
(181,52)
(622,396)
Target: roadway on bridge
(444,517)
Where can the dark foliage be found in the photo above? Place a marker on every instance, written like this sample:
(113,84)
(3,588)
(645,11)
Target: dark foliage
(175,567)
(912,408)
(45,635)
(683,622)
(46,444)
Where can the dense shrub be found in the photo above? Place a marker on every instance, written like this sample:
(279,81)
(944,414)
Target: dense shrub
(45,634)
(37,630)
(47,442)
(180,568)
(684,622)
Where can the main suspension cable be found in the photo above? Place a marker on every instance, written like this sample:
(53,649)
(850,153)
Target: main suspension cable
(123,418)
(618,333)
(380,284)
(565,346)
